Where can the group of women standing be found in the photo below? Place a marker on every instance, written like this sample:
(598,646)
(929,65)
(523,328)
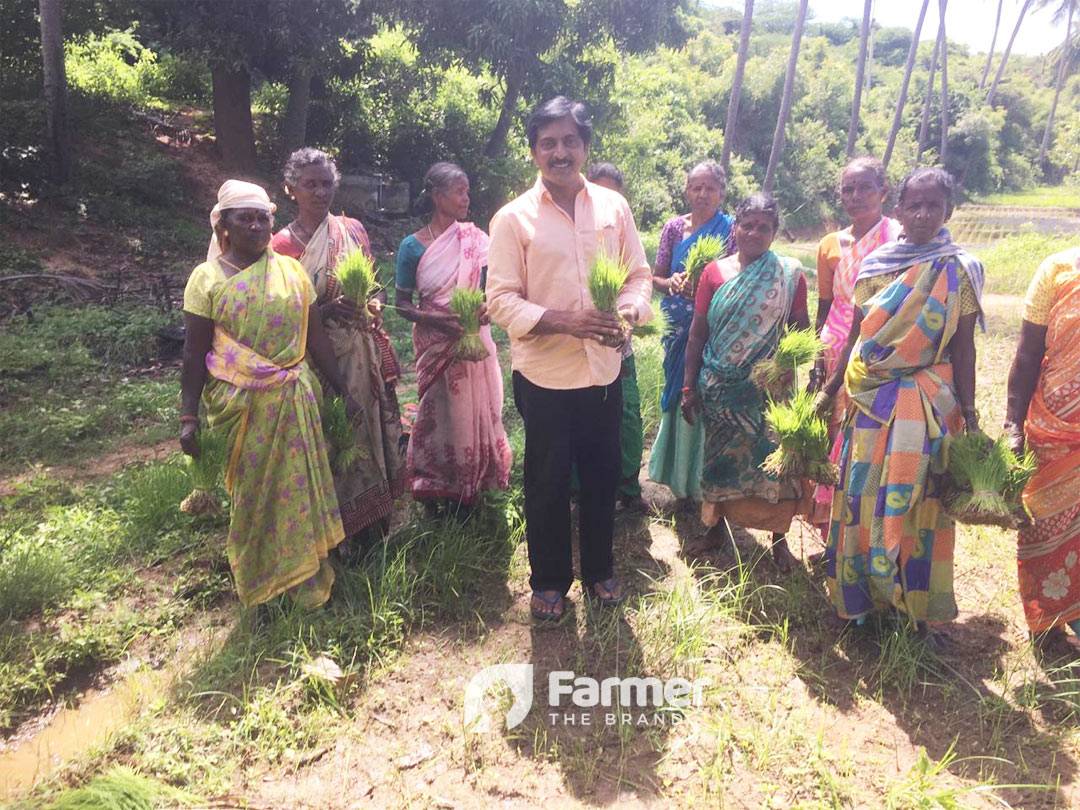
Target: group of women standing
(262,306)
(898,305)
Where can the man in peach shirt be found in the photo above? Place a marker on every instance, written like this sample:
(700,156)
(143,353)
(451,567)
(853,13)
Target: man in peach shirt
(564,352)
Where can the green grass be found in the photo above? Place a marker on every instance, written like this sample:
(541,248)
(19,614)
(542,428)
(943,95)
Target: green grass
(1040,197)
(1011,262)
(67,390)
(70,567)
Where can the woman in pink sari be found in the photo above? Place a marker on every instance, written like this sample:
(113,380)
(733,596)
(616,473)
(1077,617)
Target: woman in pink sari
(458,448)
(863,189)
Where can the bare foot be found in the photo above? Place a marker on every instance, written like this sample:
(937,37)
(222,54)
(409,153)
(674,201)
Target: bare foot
(715,539)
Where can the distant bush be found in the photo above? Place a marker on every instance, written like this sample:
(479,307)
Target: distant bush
(117,66)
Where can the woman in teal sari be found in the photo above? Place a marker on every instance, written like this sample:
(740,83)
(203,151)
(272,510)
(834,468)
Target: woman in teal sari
(743,304)
(676,454)
(251,321)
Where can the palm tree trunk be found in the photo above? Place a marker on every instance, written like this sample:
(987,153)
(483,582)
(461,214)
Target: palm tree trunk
(1005,56)
(993,42)
(737,82)
(785,102)
(902,100)
(860,73)
(55,86)
(1063,70)
(943,151)
(924,126)
(870,54)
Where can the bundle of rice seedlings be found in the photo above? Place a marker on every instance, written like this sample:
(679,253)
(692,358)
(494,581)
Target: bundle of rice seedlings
(606,280)
(205,473)
(356,275)
(802,441)
(465,302)
(658,325)
(796,348)
(703,251)
(1019,475)
(338,431)
(123,789)
(986,479)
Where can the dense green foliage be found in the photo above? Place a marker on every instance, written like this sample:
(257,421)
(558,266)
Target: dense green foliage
(414,92)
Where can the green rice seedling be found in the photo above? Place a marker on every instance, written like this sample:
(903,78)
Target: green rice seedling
(206,472)
(465,302)
(703,251)
(122,789)
(802,439)
(986,481)
(658,325)
(356,275)
(1020,473)
(338,431)
(606,280)
(796,348)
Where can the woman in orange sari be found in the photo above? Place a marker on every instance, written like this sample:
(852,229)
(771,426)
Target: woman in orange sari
(1044,409)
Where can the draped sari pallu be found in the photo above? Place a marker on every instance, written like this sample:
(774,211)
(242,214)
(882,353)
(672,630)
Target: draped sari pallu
(1048,551)
(834,334)
(458,448)
(284,517)
(366,492)
(890,542)
(746,316)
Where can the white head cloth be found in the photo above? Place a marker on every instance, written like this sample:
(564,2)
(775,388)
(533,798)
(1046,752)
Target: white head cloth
(235,194)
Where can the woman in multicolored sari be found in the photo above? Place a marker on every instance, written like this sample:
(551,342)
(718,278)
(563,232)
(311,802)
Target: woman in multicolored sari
(911,382)
(743,304)
(251,319)
(863,189)
(458,448)
(319,240)
(1044,408)
(676,456)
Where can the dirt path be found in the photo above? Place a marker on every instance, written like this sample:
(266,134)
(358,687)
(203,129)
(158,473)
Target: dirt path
(95,468)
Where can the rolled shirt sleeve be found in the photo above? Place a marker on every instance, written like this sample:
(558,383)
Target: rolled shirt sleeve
(506,300)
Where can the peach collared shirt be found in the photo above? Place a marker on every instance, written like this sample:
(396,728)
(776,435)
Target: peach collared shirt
(539,259)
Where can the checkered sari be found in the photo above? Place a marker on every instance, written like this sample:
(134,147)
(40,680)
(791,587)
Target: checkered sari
(890,542)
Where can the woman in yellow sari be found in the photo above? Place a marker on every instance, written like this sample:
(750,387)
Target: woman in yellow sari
(251,319)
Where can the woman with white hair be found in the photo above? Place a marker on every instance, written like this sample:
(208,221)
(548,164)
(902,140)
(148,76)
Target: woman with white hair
(251,320)
(319,240)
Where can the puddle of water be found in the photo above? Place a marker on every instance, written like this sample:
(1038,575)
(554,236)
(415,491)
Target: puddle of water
(75,730)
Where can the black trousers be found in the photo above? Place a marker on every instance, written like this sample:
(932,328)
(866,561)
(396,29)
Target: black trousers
(562,427)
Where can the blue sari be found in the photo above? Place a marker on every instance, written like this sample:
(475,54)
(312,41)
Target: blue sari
(680,310)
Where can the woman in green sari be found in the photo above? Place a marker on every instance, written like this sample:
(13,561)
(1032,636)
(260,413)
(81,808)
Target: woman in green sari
(742,306)
(251,319)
